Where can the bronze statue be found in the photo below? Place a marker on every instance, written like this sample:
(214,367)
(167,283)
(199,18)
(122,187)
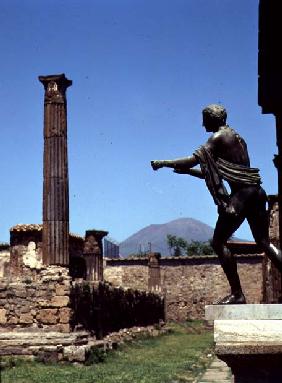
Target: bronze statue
(225,157)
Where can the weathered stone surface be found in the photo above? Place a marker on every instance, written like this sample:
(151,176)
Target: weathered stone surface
(248,331)
(47,316)
(75,353)
(32,257)
(24,308)
(13,320)
(55,186)
(62,327)
(19,351)
(254,311)
(64,315)
(62,290)
(59,301)
(26,318)
(188,283)
(251,347)
(73,347)
(54,301)
(33,302)
(3,317)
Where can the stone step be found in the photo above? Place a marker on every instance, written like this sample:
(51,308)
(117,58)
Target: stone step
(39,338)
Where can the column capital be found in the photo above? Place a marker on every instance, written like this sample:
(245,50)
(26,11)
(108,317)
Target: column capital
(99,234)
(55,87)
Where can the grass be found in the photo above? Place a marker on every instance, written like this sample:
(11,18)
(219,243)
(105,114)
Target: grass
(176,357)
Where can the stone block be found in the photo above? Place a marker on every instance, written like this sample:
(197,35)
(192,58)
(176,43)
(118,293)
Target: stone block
(234,312)
(24,309)
(3,316)
(75,353)
(47,316)
(62,290)
(26,318)
(63,327)
(64,315)
(60,301)
(43,303)
(244,331)
(13,320)
(249,339)
(30,292)
(55,301)
(20,293)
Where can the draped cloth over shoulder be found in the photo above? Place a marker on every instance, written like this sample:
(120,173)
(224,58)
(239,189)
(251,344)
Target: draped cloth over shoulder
(217,171)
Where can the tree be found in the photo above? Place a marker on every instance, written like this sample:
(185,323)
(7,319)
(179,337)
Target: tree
(176,245)
(199,248)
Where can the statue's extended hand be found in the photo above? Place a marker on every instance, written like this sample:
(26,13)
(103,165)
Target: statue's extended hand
(156,165)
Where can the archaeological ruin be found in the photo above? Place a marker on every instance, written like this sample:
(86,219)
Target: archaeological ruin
(59,297)
(54,302)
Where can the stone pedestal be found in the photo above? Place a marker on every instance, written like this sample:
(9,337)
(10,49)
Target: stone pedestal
(93,254)
(249,339)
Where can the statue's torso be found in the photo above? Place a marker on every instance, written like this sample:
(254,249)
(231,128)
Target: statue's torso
(228,145)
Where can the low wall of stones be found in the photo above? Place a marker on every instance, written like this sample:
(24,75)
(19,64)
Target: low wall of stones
(101,308)
(48,300)
(37,301)
(46,315)
(78,347)
(188,283)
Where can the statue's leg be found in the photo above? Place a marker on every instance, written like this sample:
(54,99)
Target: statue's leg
(257,217)
(226,225)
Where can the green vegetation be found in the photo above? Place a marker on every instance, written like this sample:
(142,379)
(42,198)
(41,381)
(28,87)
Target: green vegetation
(176,357)
(178,246)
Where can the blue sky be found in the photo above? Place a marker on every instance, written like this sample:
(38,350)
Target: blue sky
(142,71)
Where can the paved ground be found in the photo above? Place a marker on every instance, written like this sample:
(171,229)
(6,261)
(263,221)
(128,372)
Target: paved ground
(218,372)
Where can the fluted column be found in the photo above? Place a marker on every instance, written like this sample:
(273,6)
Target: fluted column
(55,172)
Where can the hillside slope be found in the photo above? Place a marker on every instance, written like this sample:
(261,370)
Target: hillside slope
(187,228)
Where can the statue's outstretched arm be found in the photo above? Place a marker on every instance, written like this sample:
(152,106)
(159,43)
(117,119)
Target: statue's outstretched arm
(192,172)
(184,163)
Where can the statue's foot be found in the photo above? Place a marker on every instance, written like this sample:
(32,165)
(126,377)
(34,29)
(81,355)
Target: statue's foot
(232,299)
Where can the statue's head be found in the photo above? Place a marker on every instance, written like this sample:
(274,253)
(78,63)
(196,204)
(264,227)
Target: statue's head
(214,116)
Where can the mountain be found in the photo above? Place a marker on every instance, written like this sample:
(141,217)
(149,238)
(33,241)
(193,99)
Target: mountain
(187,228)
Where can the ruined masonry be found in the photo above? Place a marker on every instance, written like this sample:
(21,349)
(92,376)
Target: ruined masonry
(51,281)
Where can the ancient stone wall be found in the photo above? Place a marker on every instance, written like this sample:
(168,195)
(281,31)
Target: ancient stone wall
(188,283)
(39,301)
(85,254)
(4,259)
(194,283)
(131,273)
(272,292)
